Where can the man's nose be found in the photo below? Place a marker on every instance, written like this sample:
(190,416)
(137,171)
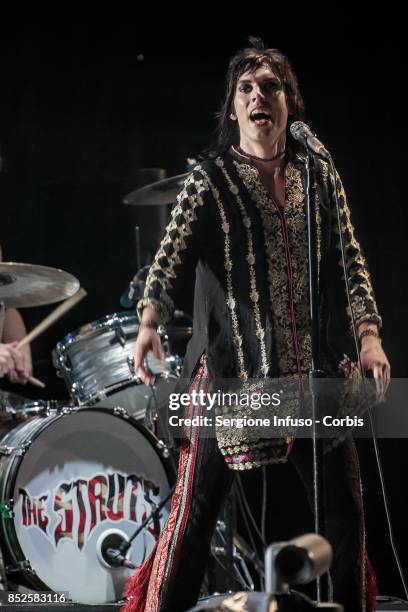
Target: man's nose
(257,93)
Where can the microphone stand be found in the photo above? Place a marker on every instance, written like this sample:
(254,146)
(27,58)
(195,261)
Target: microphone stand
(315,372)
(117,556)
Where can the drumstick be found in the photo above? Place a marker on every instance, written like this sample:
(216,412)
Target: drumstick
(36,382)
(47,322)
(52,317)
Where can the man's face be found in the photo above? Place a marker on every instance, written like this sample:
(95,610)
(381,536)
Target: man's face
(260,107)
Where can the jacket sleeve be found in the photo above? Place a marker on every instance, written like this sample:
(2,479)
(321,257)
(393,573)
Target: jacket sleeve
(172,272)
(361,291)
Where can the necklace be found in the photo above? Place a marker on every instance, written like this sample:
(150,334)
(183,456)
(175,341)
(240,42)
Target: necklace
(261,159)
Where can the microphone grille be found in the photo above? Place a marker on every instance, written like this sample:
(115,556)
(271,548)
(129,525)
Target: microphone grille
(297,128)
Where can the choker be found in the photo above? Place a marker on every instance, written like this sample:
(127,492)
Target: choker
(261,159)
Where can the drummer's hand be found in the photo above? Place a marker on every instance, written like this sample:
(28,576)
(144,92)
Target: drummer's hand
(147,340)
(21,376)
(11,360)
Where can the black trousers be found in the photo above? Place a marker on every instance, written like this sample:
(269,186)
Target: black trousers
(343,520)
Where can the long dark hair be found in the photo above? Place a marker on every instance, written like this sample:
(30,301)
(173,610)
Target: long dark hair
(250,59)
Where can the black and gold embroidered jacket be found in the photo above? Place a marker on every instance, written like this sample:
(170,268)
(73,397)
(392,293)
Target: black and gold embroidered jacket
(247,259)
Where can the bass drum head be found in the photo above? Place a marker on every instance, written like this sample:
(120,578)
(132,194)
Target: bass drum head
(87,481)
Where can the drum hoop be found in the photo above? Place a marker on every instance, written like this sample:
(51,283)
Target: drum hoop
(97,327)
(105,392)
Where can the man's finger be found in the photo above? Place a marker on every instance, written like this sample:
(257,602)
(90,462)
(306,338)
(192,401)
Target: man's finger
(12,376)
(387,376)
(17,359)
(156,346)
(377,380)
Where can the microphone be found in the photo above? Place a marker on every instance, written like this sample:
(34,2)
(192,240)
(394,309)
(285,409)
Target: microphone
(127,300)
(114,558)
(135,290)
(302,133)
(112,546)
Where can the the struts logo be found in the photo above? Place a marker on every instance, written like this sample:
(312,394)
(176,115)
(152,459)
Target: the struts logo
(82,504)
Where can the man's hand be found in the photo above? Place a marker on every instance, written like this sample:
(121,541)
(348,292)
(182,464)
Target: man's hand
(16,376)
(373,358)
(14,363)
(147,340)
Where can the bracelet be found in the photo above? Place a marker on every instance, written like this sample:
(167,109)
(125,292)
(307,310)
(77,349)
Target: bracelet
(369,332)
(149,323)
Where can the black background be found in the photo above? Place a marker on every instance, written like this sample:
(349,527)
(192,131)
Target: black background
(81,111)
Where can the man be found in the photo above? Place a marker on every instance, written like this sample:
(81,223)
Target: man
(239,233)
(14,363)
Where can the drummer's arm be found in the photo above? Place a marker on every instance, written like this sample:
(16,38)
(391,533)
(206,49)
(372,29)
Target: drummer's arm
(14,329)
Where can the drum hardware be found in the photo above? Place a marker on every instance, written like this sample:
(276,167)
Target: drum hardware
(121,412)
(17,408)
(161,446)
(67,410)
(219,549)
(120,335)
(6,509)
(76,390)
(243,548)
(18,451)
(163,335)
(152,409)
(131,363)
(23,565)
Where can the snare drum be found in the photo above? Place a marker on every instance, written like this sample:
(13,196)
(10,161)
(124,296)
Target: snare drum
(72,484)
(96,363)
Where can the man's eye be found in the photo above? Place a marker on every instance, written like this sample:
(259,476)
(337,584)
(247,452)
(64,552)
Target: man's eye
(272,86)
(245,88)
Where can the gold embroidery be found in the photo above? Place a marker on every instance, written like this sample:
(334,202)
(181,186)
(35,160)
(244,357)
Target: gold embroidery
(155,305)
(228,265)
(277,266)
(361,290)
(162,269)
(251,259)
(250,465)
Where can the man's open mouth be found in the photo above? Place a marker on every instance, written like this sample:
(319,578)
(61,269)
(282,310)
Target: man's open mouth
(260,117)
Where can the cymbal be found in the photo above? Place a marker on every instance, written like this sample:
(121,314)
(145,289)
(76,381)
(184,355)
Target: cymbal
(158,193)
(24,285)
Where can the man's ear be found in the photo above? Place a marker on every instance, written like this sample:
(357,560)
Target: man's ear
(233,116)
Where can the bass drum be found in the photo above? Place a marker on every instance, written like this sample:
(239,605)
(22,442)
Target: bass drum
(73,484)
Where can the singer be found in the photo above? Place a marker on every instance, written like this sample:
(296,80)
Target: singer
(238,234)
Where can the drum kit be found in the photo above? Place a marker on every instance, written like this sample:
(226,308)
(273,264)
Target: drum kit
(78,478)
